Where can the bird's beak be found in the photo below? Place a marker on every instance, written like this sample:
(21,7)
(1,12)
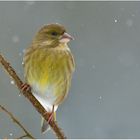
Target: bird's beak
(65,38)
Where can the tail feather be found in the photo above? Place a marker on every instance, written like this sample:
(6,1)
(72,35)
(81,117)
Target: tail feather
(45,126)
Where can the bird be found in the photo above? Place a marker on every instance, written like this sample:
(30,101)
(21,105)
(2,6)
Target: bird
(48,68)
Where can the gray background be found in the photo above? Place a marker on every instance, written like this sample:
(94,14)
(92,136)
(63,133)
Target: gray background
(104,100)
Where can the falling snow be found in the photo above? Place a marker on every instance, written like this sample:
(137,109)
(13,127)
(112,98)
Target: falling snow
(100,97)
(12,82)
(11,134)
(15,39)
(115,20)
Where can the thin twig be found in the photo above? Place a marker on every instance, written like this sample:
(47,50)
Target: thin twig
(17,122)
(24,136)
(31,98)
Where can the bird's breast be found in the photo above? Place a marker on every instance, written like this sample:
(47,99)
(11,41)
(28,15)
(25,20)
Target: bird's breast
(49,72)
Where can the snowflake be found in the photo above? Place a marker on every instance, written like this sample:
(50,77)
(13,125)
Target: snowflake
(115,20)
(15,39)
(12,82)
(11,134)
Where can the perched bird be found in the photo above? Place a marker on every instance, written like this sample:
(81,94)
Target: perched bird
(48,68)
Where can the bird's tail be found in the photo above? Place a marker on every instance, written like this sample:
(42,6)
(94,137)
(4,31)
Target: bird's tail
(44,124)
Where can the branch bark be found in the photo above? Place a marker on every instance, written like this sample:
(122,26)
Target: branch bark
(57,130)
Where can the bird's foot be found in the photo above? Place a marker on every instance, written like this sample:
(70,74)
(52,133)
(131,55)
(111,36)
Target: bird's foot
(25,87)
(51,117)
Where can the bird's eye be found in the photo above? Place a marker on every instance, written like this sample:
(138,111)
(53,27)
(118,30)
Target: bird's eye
(54,33)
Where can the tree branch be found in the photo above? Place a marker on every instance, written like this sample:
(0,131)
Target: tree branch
(17,122)
(31,98)
(24,136)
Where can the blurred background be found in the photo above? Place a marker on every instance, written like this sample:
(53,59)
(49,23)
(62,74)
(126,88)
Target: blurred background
(104,100)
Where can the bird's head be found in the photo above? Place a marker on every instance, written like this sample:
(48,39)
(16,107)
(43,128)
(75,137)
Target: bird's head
(52,34)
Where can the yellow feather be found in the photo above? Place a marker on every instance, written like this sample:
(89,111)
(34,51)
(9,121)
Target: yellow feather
(50,66)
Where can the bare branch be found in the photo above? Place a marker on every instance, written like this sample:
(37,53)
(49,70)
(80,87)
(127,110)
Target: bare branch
(31,98)
(17,122)
(24,136)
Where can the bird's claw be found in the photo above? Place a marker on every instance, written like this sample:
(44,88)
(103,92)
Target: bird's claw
(51,115)
(25,87)
(51,118)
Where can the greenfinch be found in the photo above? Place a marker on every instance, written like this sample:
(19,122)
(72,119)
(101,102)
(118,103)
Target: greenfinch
(48,68)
